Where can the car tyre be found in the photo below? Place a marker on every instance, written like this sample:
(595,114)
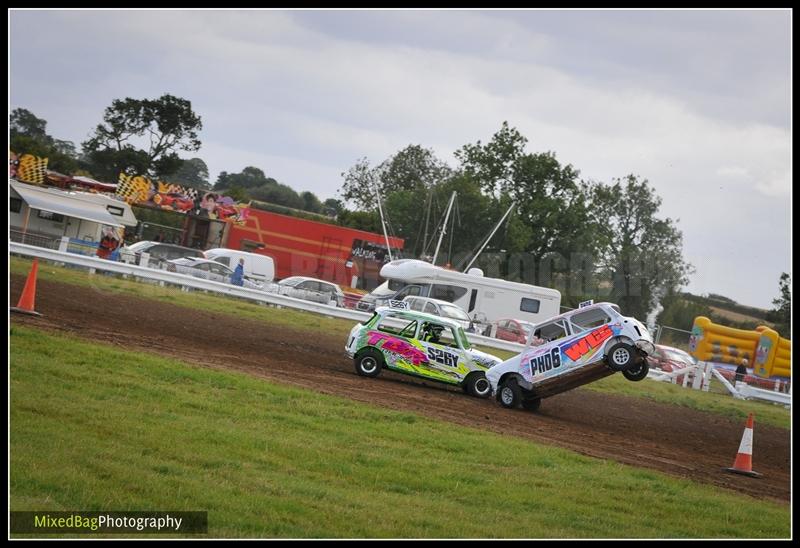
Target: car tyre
(478,385)
(531,404)
(620,357)
(637,372)
(509,394)
(369,363)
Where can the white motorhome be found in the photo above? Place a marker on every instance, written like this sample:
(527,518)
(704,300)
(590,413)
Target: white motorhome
(258,268)
(484,299)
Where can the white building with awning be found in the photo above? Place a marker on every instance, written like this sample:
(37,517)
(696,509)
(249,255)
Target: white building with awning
(53,212)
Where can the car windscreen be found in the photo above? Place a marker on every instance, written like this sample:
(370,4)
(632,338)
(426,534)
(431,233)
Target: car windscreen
(463,338)
(679,356)
(140,246)
(527,327)
(450,311)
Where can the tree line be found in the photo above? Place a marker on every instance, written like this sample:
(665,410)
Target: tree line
(589,239)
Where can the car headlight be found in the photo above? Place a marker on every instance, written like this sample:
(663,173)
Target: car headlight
(646,346)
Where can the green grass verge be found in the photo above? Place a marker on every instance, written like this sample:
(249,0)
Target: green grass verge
(96,428)
(657,391)
(709,402)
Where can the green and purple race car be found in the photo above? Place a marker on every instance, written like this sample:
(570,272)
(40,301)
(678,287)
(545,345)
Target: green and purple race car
(422,345)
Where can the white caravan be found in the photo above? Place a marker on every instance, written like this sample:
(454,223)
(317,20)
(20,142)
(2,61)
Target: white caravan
(484,299)
(258,268)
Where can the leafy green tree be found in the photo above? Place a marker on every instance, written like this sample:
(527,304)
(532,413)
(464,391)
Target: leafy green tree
(642,253)
(493,165)
(249,177)
(28,135)
(412,169)
(277,194)
(311,202)
(332,207)
(361,220)
(166,125)
(781,315)
(24,122)
(193,173)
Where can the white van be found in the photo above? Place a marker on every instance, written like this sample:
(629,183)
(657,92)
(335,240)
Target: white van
(258,268)
(484,299)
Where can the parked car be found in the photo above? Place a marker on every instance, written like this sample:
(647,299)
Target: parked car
(512,330)
(729,372)
(311,289)
(206,269)
(573,349)
(159,253)
(441,308)
(258,268)
(419,344)
(669,359)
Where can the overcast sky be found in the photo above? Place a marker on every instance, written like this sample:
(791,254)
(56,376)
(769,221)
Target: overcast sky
(697,102)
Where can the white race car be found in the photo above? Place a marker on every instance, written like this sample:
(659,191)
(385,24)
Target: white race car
(570,350)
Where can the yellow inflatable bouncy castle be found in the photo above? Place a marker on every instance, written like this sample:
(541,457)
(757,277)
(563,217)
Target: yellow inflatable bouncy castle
(766,352)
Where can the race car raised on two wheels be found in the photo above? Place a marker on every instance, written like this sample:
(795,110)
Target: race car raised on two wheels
(570,350)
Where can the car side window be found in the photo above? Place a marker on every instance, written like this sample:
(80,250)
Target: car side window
(552,331)
(449,293)
(202,266)
(430,308)
(158,251)
(416,304)
(218,269)
(224,260)
(389,325)
(590,319)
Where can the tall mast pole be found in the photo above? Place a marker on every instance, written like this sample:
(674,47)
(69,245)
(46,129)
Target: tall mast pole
(383,223)
(444,226)
(500,222)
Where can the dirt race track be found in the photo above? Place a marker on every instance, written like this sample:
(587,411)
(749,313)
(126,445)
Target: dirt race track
(671,439)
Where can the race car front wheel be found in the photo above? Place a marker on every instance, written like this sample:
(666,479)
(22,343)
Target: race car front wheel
(637,372)
(620,357)
(369,363)
(509,394)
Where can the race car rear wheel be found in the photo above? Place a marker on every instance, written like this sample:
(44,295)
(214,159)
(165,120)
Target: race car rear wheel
(477,385)
(510,394)
(531,404)
(620,356)
(369,363)
(637,372)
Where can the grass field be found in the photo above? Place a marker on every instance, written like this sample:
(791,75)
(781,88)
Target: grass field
(722,404)
(95,428)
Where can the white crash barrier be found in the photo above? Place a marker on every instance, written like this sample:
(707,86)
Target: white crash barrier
(750,392)
(704,371)
(269,294)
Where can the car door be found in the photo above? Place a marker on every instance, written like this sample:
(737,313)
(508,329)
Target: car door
(219,272)
(311,291)
(446,360)
(514,332)
(502,330)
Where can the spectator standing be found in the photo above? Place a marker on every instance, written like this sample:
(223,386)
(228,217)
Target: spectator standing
(237,278)
(741,371)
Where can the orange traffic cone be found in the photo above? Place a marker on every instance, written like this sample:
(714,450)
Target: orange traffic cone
(744,458)
(26,300)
